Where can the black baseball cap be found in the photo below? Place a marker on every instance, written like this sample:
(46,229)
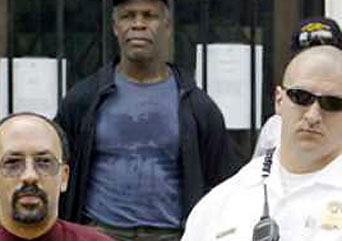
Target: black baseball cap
(117,2)
(316,31)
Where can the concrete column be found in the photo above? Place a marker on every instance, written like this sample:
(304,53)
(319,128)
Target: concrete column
(286,18)
(333,9)
(3,27)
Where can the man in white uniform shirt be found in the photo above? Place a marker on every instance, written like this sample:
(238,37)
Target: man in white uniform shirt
(305,179)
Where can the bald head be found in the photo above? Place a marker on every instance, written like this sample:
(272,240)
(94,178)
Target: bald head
(25,131)
(26,118)
(311,130)
(325,60)
(15,121)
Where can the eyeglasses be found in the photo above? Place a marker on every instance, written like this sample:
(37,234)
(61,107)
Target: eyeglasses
(306,98)
(15,165)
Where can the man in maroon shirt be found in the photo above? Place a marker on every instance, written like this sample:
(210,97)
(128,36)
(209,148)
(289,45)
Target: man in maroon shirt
(33,173)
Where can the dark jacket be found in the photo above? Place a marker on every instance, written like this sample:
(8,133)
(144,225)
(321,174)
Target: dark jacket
(203,146)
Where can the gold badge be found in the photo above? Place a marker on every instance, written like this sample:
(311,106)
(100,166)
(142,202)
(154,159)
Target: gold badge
(332,216)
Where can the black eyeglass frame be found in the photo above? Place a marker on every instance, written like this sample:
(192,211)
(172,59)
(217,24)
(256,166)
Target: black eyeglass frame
(299,96)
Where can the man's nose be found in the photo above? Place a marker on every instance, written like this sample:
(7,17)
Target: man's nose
(29,174)
(313,114)
(139,23)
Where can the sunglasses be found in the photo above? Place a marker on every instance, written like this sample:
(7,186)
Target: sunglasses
(306,98)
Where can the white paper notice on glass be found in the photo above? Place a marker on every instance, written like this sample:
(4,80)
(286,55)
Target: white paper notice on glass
(35,85)
(229,81)
(3,89)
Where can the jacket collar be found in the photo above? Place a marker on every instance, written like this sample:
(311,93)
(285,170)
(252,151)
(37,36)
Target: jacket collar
(185,82)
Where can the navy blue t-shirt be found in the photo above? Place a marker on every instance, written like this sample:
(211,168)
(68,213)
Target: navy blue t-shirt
(135,178)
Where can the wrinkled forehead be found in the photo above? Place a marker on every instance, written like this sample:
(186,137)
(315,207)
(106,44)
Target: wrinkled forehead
(28,134)
(322,64)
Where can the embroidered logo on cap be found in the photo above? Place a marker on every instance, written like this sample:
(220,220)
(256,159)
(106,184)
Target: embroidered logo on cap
(315,27)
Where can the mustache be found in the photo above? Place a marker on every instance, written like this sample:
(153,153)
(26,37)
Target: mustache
(29,189)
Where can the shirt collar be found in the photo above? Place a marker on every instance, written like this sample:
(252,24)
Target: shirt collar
(329,175)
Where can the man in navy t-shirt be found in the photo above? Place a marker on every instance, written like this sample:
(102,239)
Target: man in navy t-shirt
(146,143)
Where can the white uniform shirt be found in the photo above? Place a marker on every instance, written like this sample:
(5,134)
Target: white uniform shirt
(312,211)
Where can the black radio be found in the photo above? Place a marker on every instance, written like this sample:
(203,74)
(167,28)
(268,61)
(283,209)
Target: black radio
(266,229)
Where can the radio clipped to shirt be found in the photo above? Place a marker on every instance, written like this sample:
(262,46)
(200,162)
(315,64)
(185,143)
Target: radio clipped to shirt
(266,229)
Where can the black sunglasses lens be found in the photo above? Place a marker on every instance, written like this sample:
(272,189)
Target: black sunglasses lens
(300,97)
(331,103)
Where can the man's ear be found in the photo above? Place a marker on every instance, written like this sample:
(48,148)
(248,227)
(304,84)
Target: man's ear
(114,28)
(169,26)
(65,177)
(278,99)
